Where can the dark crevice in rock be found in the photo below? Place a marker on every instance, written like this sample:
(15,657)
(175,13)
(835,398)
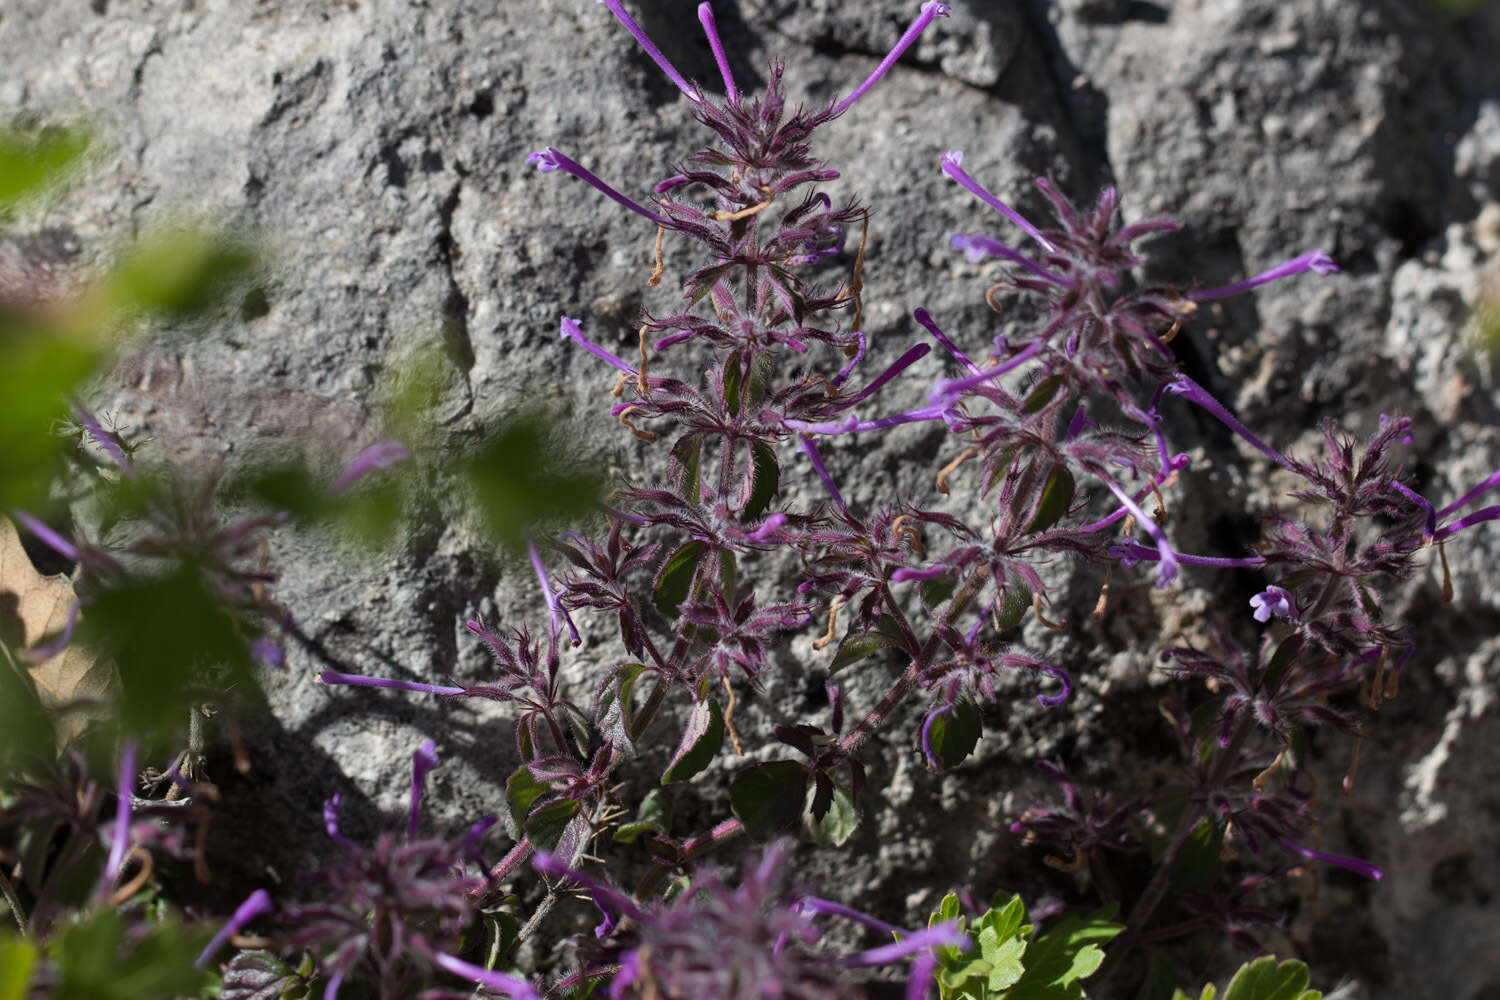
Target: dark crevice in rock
(456,304)
(1084,109)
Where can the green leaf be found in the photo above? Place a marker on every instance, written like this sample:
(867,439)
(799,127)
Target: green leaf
(544,828)
(521,792)
(1286,654)
(179,273)
(1161,979)
(1057,494)
(733,376)
(769,798)
(653,816)
(17,958)
(675,579)
(765,476)
(1263,979)
(1039,397)
(1070,952)
(39,370)
(29,166)
(858,645)
(687,453)
(259,975)
(838,823)
(700,742)
(175,645)
(1015,605)
(95,961)
(519,478)
(954,732)
(1199,860)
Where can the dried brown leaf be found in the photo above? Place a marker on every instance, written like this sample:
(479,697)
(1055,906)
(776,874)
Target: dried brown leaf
(35,608)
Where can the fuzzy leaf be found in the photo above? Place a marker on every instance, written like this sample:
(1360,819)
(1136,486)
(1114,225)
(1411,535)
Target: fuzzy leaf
(769,798)
(521,792)
(687,454)
(1044,393)
(1017,602)
(856,646)
(700,742)
(676,578)
(838,822)
(765,477)
(545,827)
(954,733)
(1057,494)
(259,975)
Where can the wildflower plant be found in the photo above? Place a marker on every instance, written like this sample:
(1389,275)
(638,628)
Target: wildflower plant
(1062,437)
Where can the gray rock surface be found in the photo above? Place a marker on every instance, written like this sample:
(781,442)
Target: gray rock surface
(377,148)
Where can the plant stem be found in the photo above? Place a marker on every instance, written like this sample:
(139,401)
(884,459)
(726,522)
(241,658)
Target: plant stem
(721,834)
(1156,889)
(17,911)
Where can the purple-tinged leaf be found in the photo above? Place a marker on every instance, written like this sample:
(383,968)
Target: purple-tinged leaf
(675,579)
(700,742)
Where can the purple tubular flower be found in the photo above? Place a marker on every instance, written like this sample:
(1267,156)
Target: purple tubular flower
(934,762)
(554,608)
(806,444)
(572,331)
(258,903)
(331,824)
(1316,261)
(951,161)
(119,841)
(859,355)
(1468,521)
(976,246)
(1429,526)
(57,543)
(108,441)
(930,10)
(921,976)
(1490,483)
(1192,391)
(907,359)
(852,426)
(945,391)
(1273,601)
(923,317)
(1355,865)
(603,894)
(706,18)
(380,455)
(1129,551)
(827,907)
(1053,700)
(618,11)
(931,573)
(511,986)
(1166,568)
(772,524)
(551,159)
(423,759)
(944,935)
(359,680)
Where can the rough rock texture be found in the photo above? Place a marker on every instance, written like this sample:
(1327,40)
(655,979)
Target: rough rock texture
(377,147)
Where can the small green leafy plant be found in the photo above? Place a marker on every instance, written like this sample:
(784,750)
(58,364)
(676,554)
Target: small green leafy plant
(1009,961)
